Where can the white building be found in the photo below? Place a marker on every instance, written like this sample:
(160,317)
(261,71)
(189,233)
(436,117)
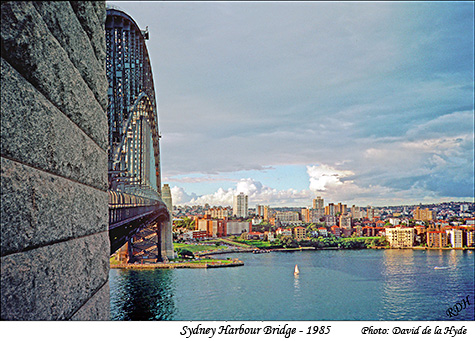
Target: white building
(288,218)
(237,227)
(455,237)
(400,237)
(240,205)
(394,221)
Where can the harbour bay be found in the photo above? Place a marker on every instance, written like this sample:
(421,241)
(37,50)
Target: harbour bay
(340,285)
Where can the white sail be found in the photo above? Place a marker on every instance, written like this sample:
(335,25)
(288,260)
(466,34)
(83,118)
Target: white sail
(296,270)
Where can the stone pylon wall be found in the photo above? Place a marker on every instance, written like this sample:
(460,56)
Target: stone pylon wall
(54,202)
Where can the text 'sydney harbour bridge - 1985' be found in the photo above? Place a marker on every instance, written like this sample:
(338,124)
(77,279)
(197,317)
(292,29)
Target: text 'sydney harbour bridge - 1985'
(138,218)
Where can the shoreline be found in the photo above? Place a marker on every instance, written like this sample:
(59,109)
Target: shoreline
(237,262)
(182,265)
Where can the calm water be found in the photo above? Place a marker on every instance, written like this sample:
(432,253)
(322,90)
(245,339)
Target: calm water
(332,285)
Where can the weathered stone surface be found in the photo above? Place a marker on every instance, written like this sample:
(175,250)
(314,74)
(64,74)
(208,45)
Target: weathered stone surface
(100,8)
(94,308)
(52,282)
(66,28)
(86,12)
(54,216)
(35,132)
(29,46)
(39,208)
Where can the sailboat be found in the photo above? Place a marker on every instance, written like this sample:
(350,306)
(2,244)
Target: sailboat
(296,270)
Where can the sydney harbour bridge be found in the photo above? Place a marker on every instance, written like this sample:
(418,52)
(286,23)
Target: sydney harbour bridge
(138,217)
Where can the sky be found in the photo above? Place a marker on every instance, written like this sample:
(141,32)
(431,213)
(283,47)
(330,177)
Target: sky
(364,103)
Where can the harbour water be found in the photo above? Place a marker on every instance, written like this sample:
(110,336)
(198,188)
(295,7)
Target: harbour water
(339,285)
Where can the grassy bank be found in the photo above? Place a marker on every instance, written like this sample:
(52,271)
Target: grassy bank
(198,247)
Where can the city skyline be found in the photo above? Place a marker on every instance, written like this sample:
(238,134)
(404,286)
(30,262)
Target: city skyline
(368,103)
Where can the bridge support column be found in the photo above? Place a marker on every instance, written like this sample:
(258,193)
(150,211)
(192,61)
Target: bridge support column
(130,253)
(167,239)
(158,230)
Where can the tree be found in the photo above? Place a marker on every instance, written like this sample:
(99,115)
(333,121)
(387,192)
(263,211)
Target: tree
(289,242)
(185,253)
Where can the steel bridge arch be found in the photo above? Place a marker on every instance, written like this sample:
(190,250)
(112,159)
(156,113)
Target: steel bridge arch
(135,205)
(131,95)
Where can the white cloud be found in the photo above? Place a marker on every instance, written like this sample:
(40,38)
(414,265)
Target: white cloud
(386,87)
(323,177)
(257,193)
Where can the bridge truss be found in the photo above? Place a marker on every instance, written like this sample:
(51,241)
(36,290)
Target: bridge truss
(137,214)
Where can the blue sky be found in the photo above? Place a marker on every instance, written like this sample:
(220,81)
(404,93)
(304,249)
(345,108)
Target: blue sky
(366,103)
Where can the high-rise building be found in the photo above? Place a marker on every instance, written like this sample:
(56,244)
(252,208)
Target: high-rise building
(305,212)
(266,212)
(318,203)
(167,198)
(424,214)
(240,205)
(356,212)
(369,213)
(288,217)
(260,210)
(330,209)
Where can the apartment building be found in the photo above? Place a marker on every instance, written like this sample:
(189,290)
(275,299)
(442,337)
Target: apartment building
(400,236)
(437,239)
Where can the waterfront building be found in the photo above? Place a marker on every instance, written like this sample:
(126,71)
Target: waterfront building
(370,231)
(255,235)
(240,205)
(299,233)
(470,238)
(283,232)
(400,237)
(437,239)
(322,232)
(336,231)
(456,237)
(269,236)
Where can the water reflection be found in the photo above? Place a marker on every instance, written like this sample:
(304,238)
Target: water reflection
(142,295)
(430,280)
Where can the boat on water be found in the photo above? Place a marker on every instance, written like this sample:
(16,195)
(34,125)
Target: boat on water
(441,267)
(296,270)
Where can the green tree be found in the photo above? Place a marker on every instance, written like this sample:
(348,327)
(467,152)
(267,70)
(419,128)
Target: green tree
(185,253)
(289,242)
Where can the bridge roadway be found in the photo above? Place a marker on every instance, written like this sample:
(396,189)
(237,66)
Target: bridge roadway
(133,220)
